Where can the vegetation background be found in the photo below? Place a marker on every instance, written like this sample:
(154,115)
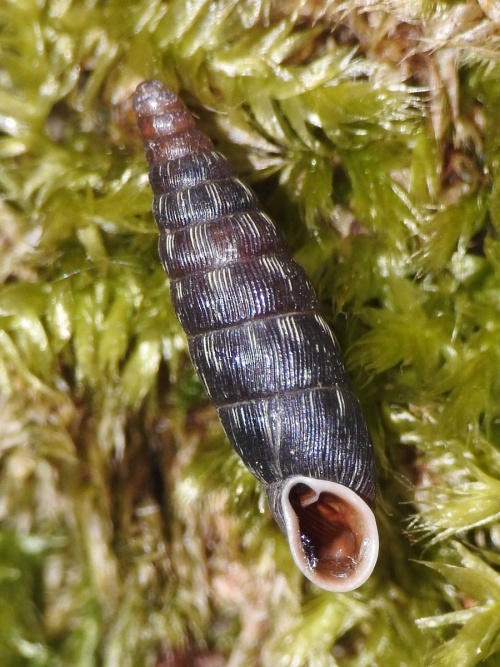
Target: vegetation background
(130,533)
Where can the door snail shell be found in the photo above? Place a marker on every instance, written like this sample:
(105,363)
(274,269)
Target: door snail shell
(264,354)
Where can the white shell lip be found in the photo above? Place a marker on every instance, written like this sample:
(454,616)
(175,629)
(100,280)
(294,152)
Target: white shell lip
(360,528)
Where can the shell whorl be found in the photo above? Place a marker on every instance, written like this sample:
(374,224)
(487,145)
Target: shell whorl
(266,357)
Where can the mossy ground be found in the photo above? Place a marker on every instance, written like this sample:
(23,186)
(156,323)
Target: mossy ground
(130,533)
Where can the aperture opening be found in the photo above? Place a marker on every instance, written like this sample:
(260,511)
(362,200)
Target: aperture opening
(328,531)
(331,531)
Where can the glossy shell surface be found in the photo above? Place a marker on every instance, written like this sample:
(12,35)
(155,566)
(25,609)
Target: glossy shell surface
(263,352)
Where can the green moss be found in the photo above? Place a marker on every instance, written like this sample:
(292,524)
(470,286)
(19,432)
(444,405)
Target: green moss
(129,529)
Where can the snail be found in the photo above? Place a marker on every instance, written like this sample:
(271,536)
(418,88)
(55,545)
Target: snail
(266,357)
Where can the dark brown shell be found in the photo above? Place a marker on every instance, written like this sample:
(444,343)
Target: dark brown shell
(265,355)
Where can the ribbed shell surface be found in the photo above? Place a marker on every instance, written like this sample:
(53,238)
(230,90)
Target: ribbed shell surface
(265,355)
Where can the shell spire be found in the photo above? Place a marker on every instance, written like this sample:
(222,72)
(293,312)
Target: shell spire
(167,127)
(264,354)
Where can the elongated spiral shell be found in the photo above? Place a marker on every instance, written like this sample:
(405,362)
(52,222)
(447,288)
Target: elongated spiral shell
(264,354)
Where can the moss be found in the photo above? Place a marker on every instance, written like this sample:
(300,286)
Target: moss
(130,533)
